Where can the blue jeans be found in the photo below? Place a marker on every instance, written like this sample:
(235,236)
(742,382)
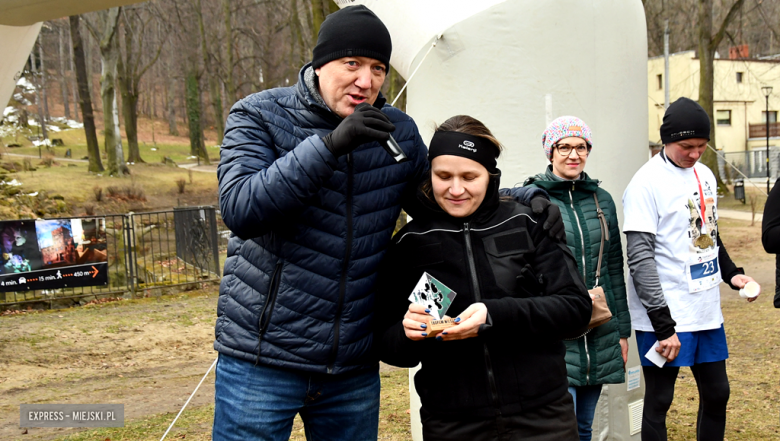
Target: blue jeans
(585,400)
(260,403)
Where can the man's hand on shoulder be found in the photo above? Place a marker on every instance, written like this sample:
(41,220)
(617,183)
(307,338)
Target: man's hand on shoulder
(554,224)
(365,124)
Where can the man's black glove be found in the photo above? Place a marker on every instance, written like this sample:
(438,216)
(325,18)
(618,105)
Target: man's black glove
(365,124)
(554,224)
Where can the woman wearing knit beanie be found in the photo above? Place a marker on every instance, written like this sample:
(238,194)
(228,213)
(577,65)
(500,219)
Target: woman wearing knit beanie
(599,356)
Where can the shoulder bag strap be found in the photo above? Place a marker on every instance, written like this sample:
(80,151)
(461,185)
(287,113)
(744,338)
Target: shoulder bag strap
(604,235)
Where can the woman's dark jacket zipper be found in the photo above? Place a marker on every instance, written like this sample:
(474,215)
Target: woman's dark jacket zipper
(478,298)
(584,272)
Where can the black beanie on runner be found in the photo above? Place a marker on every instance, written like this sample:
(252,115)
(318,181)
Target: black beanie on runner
(354,31)
(685,119)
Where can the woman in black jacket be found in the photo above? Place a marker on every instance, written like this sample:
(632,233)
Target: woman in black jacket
(770,233)
(499,373)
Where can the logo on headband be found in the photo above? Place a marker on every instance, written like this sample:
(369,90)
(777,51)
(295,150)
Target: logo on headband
(468,145)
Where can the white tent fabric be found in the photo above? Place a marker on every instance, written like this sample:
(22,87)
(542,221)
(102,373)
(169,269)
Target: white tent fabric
(516,65)
(16,44)
(28,12)
(413,23)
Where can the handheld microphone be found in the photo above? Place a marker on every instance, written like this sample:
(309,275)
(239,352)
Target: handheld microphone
(393,149)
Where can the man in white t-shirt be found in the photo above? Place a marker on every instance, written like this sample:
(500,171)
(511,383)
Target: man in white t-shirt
(677,261)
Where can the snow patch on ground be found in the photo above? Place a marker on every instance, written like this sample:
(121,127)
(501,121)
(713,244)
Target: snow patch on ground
(45,142)
(26,84)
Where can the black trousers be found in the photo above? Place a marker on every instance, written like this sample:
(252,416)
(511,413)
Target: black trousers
(713,384)
(553,422)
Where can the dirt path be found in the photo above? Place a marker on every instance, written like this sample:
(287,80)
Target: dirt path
(148,355)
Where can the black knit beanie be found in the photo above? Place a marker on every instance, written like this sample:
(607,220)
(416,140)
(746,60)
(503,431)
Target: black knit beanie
(354,31)
(685,119)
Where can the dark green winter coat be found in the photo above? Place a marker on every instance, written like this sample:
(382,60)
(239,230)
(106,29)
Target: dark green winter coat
(596,357)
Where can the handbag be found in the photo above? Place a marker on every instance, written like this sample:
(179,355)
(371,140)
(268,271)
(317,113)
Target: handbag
(601,313)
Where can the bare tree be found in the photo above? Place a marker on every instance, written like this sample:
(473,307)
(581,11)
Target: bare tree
(210,68)
(63,73)
(708,43)
(38,98)
(85,101)
(187,38)
(319,10)
(131,68)
(230,83)
(104,29)
(75,86)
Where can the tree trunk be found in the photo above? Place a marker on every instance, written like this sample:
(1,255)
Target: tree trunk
(85,101)
(63,76)
(214,92)
(38,100)
(129,112)
(129,99)
(192,94)
(230,83)
(297,36)
(317,17)
(708,44)
(395,83)
(109,54)
(73,69)
(171,89)
(46,114)
(23,118)
(88,62)
(153,101)
(706,81)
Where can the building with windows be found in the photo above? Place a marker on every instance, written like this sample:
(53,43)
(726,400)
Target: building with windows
(740,105)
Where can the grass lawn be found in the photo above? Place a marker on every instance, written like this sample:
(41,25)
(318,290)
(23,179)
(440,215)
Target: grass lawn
(176,148)
(757,194)
(156,182)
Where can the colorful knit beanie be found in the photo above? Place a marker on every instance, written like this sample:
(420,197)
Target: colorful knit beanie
(564,127)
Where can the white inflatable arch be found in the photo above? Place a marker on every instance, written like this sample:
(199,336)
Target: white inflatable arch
(516,65)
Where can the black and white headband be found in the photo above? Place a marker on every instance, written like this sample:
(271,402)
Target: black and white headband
(476,148)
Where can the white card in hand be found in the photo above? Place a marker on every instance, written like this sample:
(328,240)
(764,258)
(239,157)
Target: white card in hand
(655,357)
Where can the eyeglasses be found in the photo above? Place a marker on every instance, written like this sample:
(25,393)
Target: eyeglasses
(565,149)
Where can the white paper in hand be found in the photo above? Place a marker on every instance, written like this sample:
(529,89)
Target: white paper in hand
(655,357)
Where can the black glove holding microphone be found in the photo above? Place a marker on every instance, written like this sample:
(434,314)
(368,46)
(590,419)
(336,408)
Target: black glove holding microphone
(365,124)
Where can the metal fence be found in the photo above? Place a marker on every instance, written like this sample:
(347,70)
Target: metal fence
(148,250)
(752,163)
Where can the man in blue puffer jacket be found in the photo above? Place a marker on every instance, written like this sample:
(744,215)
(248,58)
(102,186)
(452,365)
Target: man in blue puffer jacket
(311,199)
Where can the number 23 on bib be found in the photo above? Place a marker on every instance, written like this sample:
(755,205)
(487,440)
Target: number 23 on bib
(703,271)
